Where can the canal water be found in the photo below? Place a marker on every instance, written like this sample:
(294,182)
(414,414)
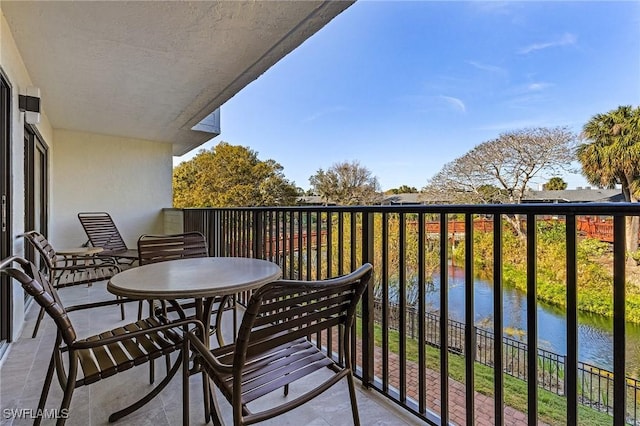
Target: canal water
(595,335)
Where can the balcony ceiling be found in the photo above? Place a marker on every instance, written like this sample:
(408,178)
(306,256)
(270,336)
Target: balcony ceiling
(153,70)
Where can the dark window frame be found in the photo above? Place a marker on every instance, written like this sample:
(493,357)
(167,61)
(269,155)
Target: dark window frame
(34,146)
(6,246)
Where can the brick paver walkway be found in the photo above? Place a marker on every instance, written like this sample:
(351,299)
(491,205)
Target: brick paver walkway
(484,405)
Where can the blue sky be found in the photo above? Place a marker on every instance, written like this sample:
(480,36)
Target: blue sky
(406,87)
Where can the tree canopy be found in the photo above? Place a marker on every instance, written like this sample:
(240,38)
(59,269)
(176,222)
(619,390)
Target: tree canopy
(500,170)
(402,189)
(610,155)
(556,183)
(346,183)
(231,176)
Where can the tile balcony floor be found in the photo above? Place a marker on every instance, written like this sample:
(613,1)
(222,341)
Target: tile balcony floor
(23,369)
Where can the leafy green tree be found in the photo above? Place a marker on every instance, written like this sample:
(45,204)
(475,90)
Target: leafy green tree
(611,156)
(556,183)
(346,184)
(403,189)
(231,176)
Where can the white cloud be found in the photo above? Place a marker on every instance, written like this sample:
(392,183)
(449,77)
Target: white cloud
(488,68)
(454,102)
(566,40)
(536,87)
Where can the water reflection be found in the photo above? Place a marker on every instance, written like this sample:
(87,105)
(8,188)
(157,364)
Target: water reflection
(595,335)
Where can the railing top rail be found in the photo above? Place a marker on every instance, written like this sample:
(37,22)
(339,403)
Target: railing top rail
(487,209)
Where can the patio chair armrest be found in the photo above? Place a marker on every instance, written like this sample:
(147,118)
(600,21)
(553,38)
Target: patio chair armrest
(206,354)
(80,267)
(98,304)
(72,257)
(113,339)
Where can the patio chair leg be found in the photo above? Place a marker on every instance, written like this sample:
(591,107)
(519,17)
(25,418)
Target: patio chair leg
(185,382)
(354,403)
(214,408)
(121,308)
(206,392)
(218,323)
(152,371)
(68,391)
(148,397)
(40,316)
(45,390)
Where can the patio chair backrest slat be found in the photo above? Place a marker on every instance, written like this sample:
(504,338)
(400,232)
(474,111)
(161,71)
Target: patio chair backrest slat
(36,284)
(102,231)
(160,248)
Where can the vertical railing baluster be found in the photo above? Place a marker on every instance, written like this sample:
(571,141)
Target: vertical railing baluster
(385,302)
(257,232)
(235,237)
(340,242)
(353,241)
(340,238)
(444,318)
(498,321)
(286,247)
(367,303)
(571,366)
(329,244)
(619,320)
(469,318)
(224,246)
(271,237)
(319,220)
(402,326)
(532,323)
(329,256)
(422,310)
(300,243)
(307,257)
(292,245)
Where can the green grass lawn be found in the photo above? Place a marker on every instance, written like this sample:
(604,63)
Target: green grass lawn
(552,408)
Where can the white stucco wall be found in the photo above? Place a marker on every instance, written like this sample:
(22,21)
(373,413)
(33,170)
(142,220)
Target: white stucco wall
(14,70)
(128,178)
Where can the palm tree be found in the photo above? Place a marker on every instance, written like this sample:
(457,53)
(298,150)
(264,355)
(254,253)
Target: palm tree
(611,156)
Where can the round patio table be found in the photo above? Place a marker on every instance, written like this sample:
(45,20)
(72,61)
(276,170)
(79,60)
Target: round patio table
(202,279)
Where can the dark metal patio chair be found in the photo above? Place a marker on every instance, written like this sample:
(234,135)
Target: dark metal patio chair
(65,271)
(273,347)
(161,248)
(100,356)
(102,232)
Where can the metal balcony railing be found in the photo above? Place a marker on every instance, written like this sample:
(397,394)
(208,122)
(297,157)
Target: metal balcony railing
(401,242)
